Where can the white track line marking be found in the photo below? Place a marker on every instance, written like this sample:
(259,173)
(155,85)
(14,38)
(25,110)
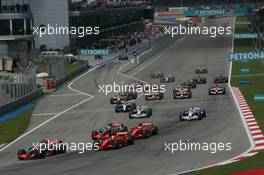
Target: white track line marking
(248,75)
(64,95)
(59,114)
(43,114)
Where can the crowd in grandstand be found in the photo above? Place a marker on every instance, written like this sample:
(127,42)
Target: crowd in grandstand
(84,5)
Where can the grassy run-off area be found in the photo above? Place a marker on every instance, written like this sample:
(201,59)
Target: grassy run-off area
(256,75)
(13,128)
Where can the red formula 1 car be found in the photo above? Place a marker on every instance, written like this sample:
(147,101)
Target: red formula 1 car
(182,93)
(116,141)
(45,148)
(109,130)
(144,130)
(201,70)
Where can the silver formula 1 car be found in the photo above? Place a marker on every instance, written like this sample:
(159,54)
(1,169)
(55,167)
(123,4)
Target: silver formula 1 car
(193,113)
(167,79)
(140,112)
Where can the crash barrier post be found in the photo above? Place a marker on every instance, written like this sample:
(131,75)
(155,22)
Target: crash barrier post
(17,103)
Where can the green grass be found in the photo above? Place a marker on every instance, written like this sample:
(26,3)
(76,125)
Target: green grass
(13,128)
(248,91)
(71,67)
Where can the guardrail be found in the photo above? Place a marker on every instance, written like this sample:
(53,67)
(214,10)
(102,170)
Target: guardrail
(71,74)
(13,105)
(158,44)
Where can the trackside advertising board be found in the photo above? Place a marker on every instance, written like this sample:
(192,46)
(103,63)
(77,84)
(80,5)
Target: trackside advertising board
(246,36)
(217,12)
(89,52)
(240,56)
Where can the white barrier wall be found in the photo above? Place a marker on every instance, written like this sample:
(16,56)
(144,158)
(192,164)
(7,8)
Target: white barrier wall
(3,49)
(52,12)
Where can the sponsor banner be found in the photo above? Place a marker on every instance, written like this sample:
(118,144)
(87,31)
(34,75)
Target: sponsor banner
(240,56)
(89,52)
(169,19)
(217,12)
(161,14)
(246,36)
(243,22)
(239,11)
(244,70)
(245,81)
(259,97)
(174,9)
(214,12)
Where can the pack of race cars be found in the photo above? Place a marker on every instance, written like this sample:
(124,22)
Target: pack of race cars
(117,135)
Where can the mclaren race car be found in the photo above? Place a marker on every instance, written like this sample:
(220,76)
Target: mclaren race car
(124,106)
(119,98)
(109,130)
(199,80)
(182,93)
(216,90)
(167,79)
(221,79)
(157,75)
(193,113)
(46,148)
(201,70)
(140,112)
(190,84)
(144,130)
(115,141)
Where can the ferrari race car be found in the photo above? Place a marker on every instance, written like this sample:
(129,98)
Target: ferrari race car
(221,79)
(140,112)
(167,79)
(190,84)
(123,97)
(157,75)
(199,80)
(46,148)
(193,113)
(109,130)
(124,106)
(154,96)
(181,93)
(216,90)
(144,130)
(201,70)
(115,141)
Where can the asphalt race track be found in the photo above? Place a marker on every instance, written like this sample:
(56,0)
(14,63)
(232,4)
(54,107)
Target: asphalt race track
(223,123)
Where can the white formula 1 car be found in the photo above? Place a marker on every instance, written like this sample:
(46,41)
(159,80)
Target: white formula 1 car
(193,113)
(140,112)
